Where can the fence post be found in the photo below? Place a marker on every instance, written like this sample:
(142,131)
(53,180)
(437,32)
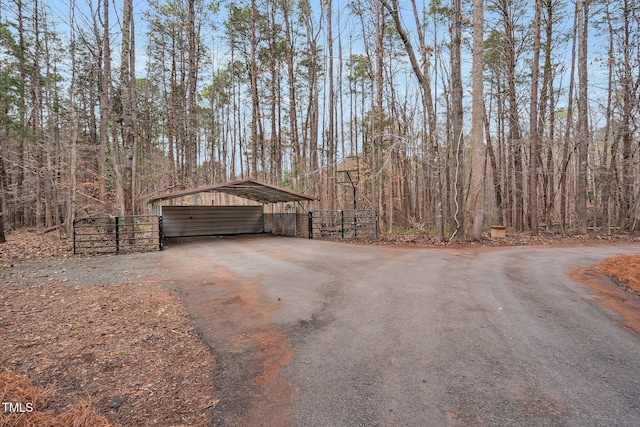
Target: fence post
(355,221)
(376,219)
(310,225)
(117,234)
(74,237)
(342,223)
(160,233)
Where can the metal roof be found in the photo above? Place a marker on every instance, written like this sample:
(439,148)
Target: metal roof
(246,188)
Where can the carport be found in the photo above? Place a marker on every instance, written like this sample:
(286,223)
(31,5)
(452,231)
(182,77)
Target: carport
(186,220)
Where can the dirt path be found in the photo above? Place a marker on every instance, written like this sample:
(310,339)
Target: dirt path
(611,295)
(235,322)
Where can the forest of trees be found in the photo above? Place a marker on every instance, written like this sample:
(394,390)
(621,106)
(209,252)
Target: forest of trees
(456,116)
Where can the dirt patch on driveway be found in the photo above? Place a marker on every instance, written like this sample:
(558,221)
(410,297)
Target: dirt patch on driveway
(235,320)
(612,295)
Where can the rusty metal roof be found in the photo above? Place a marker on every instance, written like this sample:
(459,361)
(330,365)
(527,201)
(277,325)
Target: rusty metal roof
(246,188)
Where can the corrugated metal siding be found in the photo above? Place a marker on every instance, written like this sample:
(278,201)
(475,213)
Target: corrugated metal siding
(287,224)
(184,221)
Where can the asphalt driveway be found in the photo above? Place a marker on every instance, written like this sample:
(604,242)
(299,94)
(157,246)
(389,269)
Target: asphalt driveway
(314,333)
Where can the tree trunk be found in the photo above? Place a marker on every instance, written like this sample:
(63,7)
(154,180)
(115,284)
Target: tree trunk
(3,178)
(104,97)
(275,152)
(629,88)
(457,116)
(36,114)
(255,100)
(331,143)
(20,187)
(547,100)
(127,91)
(475,205)
(296,164)
(192,106)
(73,137)
(515,138)
(583,119)
(310,144)
(495,171)
(377,126)
(533,126)
(607,171)
(566,153)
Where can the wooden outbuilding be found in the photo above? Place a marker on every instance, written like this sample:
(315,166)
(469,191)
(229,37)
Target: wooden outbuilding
(191,218)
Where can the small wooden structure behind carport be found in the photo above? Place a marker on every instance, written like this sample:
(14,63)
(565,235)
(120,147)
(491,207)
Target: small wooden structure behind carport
(210,220)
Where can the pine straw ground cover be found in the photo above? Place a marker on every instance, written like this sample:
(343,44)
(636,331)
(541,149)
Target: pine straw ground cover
(16,388)
(123,354)
(625,269)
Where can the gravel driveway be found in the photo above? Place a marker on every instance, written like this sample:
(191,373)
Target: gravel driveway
(330,334)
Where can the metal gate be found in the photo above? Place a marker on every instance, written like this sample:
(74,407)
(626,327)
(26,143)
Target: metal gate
(349,223)
(107,234)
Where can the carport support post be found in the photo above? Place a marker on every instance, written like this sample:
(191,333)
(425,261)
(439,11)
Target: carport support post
(342,223)
(310,225)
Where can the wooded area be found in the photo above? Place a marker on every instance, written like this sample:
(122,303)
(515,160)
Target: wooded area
(448,117)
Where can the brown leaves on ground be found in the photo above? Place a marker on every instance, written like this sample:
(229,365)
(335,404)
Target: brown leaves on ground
(625,269)
(129,347)
(28,245)
(126,352)
(421,238)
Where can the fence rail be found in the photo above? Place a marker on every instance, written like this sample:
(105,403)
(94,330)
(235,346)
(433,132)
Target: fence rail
(132,233)
(349,223)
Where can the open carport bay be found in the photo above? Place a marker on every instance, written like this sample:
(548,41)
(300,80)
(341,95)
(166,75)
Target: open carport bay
(324,333)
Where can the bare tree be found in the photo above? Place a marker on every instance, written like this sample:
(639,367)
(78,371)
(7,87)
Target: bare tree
(457,116)
(533,126)
(424,79)
(583,118)
(193,59)
(377,116)
(566,151)
(475,205)
(297,164)
(255,99)
(128,101)
(548,108)
(73,138)
(331,143)
(609,170)
(311,121)
(628,105)
(105,85)
(516,212)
